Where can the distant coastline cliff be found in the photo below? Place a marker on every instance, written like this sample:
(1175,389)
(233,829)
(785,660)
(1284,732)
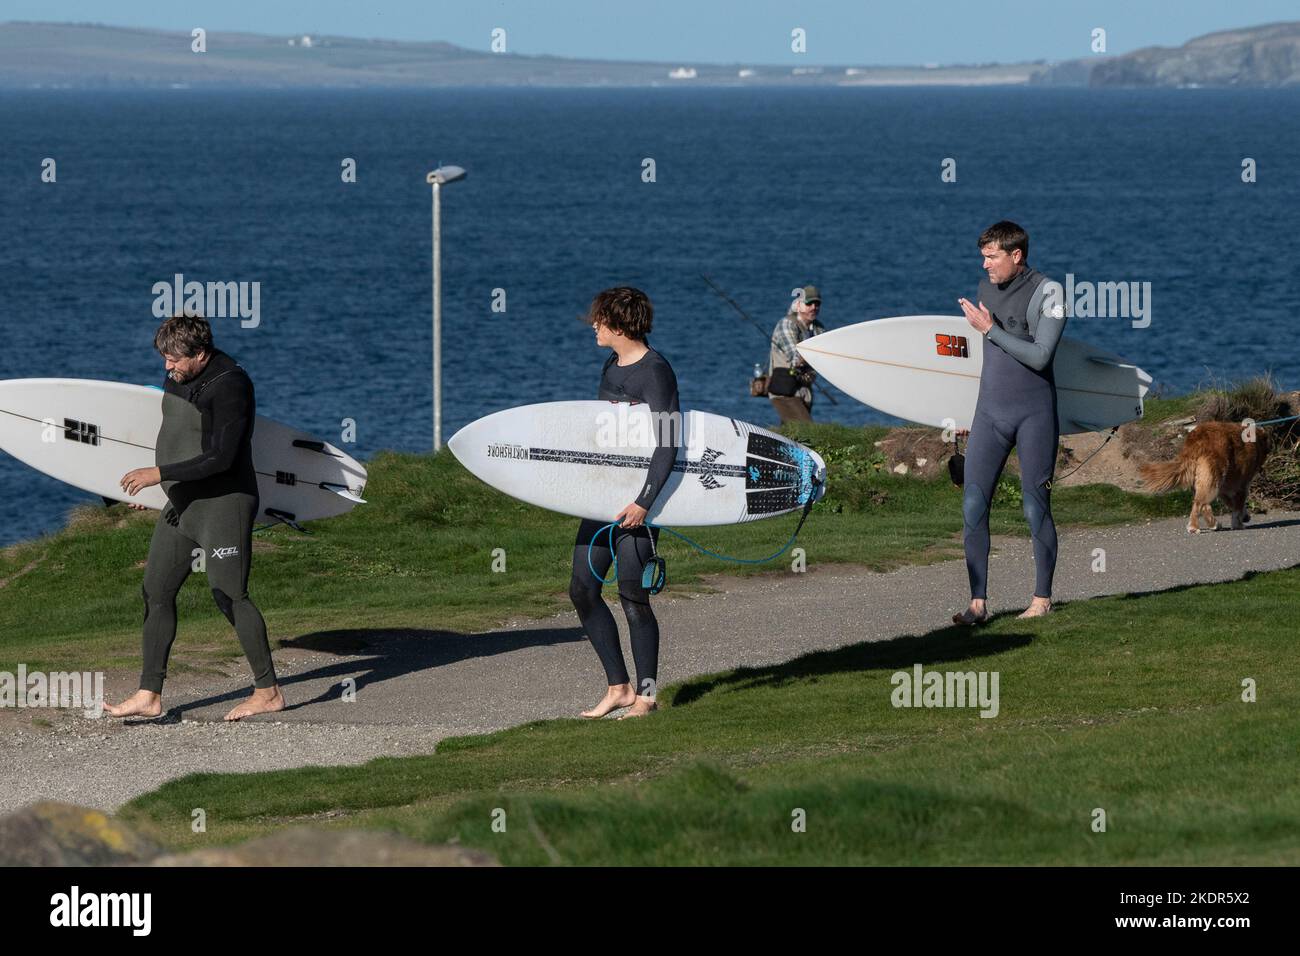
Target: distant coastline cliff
(92,56)
(1264,56)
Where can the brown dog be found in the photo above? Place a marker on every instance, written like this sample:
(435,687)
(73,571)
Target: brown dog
(1214,461)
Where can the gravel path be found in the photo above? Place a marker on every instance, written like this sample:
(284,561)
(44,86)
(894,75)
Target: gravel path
(414,687)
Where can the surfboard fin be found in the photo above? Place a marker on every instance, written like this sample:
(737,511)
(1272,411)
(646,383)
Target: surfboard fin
(283,517)
(343,491)
(1089,426)
(1144,379)
(313,446)
(1113,363)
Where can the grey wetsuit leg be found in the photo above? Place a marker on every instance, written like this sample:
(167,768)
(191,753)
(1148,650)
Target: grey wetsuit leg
(1036,443)
(987,449)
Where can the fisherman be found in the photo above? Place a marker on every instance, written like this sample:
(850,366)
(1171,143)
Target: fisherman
(1021,315)
(634,372)
(205,466)
(790,378)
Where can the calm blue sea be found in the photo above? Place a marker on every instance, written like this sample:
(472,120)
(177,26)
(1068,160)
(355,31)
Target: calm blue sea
(762,189)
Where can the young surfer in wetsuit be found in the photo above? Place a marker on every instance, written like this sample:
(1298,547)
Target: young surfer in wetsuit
(634,372)
(204,457)
(1021,314)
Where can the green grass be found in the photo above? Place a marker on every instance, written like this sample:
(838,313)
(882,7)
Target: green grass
(421,552)
(1130,704)
(1162,409)
(1259,398)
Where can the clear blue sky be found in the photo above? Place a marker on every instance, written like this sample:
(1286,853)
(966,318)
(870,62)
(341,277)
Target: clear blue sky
(718,31)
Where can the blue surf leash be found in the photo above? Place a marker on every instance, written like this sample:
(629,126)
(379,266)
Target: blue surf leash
(655,575)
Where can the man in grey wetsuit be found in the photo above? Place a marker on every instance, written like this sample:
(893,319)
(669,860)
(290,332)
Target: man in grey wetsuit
(204,455)
(1021,314)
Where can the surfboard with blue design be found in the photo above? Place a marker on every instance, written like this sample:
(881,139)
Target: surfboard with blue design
(590,460)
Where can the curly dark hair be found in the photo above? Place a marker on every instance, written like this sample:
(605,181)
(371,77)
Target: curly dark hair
(623,309)
(183,335)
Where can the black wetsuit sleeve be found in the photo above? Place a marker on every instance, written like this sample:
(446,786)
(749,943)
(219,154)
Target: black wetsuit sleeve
(660,393)
(227,408)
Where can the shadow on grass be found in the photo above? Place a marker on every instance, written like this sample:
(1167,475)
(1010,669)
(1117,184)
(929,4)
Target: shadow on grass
(948,645)
(945,645)
(375,656)
(1193,586)
(378,655)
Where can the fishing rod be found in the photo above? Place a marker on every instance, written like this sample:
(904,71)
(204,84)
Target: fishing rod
(766,337)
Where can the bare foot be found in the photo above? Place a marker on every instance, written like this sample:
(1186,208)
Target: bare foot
(265,700)
(1037,607)
(143,703)
(977,613)
(640,707)
(618,695)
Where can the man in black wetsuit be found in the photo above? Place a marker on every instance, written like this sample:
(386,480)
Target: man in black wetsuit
(204,455)
(1021,315)
(634,372)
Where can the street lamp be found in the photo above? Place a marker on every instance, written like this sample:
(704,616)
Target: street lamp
(437,179)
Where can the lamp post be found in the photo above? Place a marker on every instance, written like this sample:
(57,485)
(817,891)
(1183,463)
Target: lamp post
(437,179)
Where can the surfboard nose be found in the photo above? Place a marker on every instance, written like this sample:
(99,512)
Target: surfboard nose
(458,443)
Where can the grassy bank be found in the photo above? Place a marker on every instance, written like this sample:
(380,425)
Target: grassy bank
(420,554)
(1129,704)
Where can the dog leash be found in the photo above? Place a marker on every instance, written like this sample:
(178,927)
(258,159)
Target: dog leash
(1274,421)
(1113,431)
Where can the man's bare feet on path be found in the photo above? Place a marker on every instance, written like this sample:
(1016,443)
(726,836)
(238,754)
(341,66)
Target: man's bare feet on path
(265,700)
(143,703)
(977,613)
(618,695)
(1037,607)
(641,707)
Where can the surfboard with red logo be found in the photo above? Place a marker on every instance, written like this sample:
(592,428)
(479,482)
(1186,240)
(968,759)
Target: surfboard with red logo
(926,369)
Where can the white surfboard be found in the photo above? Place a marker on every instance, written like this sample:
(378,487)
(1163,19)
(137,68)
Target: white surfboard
(89,434)
(926,369)
(589,459)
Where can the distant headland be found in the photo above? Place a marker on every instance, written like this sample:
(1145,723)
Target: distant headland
(92,56)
